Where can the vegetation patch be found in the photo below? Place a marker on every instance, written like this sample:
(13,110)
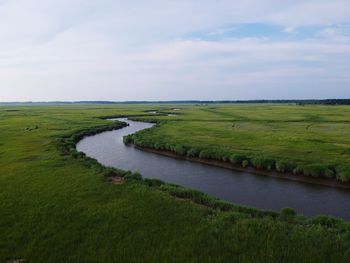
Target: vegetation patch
(258,142)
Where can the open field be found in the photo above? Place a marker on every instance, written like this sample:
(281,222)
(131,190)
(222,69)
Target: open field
(310,140)
(57,208)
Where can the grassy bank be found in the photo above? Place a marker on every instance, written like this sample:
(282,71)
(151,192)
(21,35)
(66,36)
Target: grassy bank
(304,140)
(56,205)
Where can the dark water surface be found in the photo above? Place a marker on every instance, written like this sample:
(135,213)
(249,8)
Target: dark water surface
(238,187)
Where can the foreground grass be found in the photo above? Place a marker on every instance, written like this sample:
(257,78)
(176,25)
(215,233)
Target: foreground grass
(55,208)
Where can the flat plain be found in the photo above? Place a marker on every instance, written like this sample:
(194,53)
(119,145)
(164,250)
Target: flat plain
(56,208)
(314,140)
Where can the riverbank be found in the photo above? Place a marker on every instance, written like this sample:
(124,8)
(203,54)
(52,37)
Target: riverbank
(250,169)
(235,187)
(298,140)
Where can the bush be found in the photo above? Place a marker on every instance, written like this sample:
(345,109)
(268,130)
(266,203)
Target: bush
(127,139)
(245,163)
(193,152)
(179,149)
(235,216)
(317,170)
(237,158)
(153,182)
(81,155)
(167,146)
(287,214)
(263,163)
(159,146)
(133,176)
(312,170)
(298,170)
(213,153)
(111,172)
(329,173)
(327,221)
(285,166)
(343,174)
(225,158)
(206,154)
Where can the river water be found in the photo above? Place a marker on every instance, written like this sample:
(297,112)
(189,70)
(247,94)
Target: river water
(242,188)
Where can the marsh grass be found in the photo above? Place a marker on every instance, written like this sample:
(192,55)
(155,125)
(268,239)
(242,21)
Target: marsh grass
(56,205)
(304,140)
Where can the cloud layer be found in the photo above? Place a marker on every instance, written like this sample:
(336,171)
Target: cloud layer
(164,50)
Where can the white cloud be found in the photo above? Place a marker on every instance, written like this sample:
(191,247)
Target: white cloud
(114,50)
(290,29)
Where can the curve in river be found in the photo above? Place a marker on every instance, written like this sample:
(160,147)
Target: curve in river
(243,188)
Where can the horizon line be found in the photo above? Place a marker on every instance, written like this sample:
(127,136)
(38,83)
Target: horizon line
(171,101)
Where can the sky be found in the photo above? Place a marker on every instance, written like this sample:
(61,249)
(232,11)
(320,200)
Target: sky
(174,50)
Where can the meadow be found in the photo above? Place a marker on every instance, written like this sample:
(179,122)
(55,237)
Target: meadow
(57,206)
(308,140)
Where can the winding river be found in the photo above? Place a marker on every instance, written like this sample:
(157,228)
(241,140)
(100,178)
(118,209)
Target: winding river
(243,188)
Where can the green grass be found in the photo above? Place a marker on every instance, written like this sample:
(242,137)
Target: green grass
(313,138)
(59,208)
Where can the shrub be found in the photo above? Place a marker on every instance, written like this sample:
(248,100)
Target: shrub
(179,149)
(312,170)
(89,162)
(127,139)
(327,221)
(263,163)
(193,152)
(298,170)
(317,170)
(245,163)
(205,154)
(329,173)
(343,174)
(287,214)
(167,147)
(153,182)
(111,172)
(269,164)
(159,146)
(285,166)
(237,158)
(133,176)
(81,155)
(218,155)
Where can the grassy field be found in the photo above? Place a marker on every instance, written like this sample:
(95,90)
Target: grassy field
(309,140)
(58,208)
